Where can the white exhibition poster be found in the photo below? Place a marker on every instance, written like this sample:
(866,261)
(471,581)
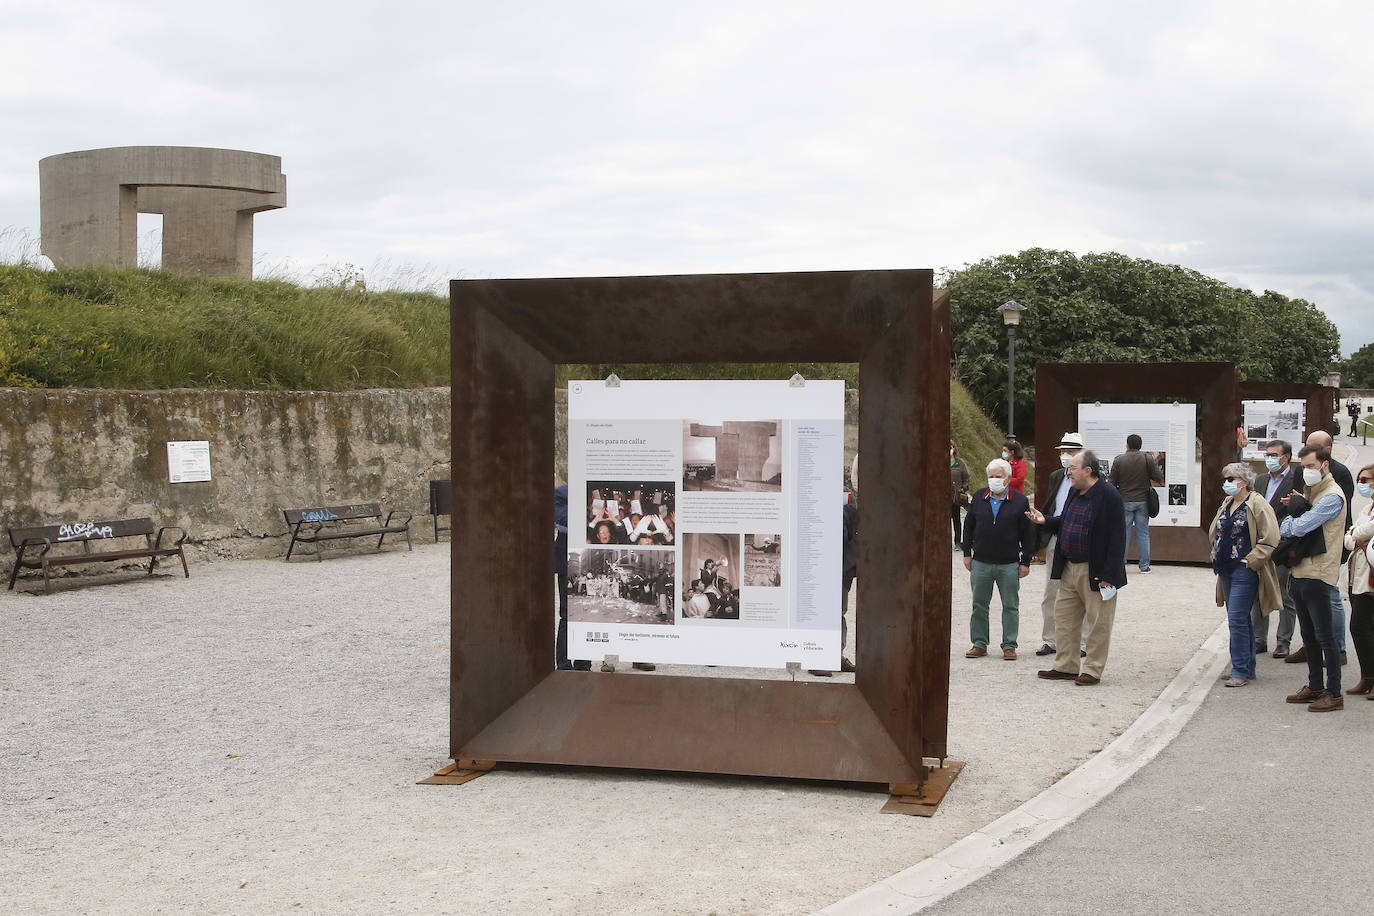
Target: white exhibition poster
(1168,432)
(710,522)
(188,461)
(1267,421)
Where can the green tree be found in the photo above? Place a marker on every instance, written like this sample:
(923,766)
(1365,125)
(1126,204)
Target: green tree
(1102,308)
(1358,370)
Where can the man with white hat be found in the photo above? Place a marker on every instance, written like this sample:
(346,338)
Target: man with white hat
(1053,507)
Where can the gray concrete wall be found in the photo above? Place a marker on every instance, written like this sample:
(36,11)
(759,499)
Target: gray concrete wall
(73,455)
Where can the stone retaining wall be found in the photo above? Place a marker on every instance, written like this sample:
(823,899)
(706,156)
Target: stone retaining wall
(71,455)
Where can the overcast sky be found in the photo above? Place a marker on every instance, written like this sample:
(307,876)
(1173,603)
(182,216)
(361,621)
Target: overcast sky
(558,139)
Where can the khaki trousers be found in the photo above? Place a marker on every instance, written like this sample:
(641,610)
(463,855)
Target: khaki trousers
(1047,634)
(1077,609)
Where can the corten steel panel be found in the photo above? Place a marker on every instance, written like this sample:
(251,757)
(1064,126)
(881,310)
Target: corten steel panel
(1059,387)
(1319,400)
(506,701)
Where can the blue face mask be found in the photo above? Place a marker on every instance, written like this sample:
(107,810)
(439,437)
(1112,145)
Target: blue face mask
(1005,454)
(1272,463)
(1365,490)
(1230,488)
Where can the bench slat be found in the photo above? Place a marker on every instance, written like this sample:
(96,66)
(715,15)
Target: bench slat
(75,532)
(322,514)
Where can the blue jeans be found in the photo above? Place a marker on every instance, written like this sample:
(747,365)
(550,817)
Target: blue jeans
(1139,516)
(1338,616)
(1313,598)
(1008,580)
(1240,585)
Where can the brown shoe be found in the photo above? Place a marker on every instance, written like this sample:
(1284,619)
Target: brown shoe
(1087,680)
(1281,650)
(1344,660)
(976,652)
(1054,674)
(1008,655)
(1327,702)
(1305,695)
(1298,656)
(1361,689)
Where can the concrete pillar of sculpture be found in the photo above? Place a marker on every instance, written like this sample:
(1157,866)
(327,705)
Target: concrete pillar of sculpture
(90,201)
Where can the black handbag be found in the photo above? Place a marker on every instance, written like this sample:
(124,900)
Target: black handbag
(1152,502)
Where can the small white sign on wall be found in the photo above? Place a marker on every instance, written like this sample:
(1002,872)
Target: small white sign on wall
(188,461)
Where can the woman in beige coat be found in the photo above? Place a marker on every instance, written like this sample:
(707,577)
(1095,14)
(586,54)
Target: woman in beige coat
(1244,535)
(1362,586)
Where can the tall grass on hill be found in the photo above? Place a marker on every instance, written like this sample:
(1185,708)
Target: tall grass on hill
(135,328)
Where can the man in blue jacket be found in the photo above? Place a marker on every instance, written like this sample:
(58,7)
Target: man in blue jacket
(998,543)
(1089,562)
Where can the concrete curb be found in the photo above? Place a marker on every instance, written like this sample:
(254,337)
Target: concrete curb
(988,849)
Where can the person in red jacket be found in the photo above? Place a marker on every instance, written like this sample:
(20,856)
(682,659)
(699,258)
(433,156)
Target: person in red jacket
(1015,455)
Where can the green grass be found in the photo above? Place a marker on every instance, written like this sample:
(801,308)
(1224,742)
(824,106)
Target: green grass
(103,327)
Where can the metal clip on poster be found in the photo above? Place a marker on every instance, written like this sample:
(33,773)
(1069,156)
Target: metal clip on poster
(612,381)
(796,381)
(793,668)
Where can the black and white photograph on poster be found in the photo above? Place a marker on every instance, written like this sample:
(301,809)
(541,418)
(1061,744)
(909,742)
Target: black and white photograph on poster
(709,572)
(763,560)
(1270,421)
(1178,494)
(621,585)
(732,456)
(638,512)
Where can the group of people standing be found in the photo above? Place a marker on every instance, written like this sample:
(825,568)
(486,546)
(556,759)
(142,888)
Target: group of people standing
(1279,543)
(1083,523)
(1284,541)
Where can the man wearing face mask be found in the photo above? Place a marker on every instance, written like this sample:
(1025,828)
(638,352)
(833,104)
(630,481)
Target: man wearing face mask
(1321,505)
(1282,478)
(1055,496)
(1089,561)
(1341,474)
(998,543)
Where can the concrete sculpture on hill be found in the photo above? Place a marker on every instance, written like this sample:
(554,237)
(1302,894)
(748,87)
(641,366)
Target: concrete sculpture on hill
(90,201)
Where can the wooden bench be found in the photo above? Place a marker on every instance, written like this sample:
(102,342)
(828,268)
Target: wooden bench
(330,523)
(46,537)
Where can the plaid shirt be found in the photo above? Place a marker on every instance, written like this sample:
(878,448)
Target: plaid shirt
(1073,530)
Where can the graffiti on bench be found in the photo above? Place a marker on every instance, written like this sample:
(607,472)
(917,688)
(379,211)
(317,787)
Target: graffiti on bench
(317,515)
(84,531)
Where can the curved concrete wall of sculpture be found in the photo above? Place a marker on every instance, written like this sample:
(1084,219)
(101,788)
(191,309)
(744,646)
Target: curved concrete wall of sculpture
(72,455)
(90,201)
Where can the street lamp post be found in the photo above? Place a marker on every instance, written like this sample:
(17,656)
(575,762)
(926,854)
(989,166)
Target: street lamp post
(1011,316)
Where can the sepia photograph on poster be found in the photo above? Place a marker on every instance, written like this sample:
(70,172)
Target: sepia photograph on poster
(711,479)
(1168,433)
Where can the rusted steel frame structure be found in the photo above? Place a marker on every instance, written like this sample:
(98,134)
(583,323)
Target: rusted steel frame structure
(1061,387)
(1319,400)
(508,704)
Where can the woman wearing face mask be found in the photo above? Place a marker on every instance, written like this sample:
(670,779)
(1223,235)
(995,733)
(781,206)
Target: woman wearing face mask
(958,491)
(1357,539)
(999,540)
(1244,534)
(1015,455)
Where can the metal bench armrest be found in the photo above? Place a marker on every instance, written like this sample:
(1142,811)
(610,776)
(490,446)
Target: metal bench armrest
(34,542)
(409,515)
(181,540)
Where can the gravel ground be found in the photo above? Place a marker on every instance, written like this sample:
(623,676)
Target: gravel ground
(248,741)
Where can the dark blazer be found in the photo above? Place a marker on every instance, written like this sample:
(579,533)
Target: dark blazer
(1287,484)
(1010,538)
(1106,535)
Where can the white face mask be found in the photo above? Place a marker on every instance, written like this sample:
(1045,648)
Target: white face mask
(1064,459)
(997,484)
(1311,476)
(1005,454)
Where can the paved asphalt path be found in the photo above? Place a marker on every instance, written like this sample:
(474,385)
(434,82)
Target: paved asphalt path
(1257,807)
